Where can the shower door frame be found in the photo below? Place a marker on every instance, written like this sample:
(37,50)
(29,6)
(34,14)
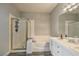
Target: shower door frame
(11,34)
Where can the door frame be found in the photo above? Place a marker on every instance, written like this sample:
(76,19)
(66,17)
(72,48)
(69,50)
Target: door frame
(11,33)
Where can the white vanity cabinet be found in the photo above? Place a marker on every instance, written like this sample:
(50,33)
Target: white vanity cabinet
(58,49)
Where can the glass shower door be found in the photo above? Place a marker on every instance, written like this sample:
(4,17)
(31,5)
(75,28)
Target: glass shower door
(18,34)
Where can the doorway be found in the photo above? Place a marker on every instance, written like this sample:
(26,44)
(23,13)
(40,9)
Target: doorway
(18,30)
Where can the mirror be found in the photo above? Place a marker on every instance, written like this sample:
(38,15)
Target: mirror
(73,29)
(69,23)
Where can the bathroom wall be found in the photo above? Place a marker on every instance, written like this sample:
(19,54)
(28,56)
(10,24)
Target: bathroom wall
(55,19)
(5,9)
(41,20)
(77,15)
(58,19)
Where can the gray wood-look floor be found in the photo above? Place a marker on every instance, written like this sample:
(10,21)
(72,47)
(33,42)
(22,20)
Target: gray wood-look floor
(33,54)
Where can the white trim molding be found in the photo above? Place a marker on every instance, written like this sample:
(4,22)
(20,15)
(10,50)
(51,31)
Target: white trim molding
(6,54)
(18,51)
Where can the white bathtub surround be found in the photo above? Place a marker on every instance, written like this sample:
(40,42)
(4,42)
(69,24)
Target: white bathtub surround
(41,44)
(40,47)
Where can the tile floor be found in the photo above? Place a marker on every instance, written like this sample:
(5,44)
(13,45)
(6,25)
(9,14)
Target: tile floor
(33,54)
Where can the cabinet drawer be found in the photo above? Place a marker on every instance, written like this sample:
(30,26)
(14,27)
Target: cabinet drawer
(64,51)
(56,49)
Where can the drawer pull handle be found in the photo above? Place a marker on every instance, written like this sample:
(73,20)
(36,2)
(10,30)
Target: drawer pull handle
(57,51)
(57,46)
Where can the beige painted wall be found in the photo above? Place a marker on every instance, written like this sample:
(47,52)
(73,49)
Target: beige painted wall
(5,9)
(42,22)
(55,19)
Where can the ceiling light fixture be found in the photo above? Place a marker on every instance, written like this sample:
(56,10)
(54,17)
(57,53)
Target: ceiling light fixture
(71,7)
(65,9)
(75,7)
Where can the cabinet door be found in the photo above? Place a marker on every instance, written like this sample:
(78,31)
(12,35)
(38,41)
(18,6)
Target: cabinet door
(65,51)
(50,44)
(52,47)
(59,50)
(62,51)
(56,49)
(69,52)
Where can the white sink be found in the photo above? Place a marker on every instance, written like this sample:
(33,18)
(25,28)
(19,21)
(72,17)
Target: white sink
(77,47)
(73,40)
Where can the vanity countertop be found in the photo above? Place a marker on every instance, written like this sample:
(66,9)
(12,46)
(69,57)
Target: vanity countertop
(67,44)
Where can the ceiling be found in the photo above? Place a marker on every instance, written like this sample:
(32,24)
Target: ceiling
(36,7)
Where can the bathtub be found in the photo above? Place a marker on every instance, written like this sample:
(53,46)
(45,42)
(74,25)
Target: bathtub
(41,44)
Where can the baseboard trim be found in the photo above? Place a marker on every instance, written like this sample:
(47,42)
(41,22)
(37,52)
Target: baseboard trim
(6,54)
(13,51)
